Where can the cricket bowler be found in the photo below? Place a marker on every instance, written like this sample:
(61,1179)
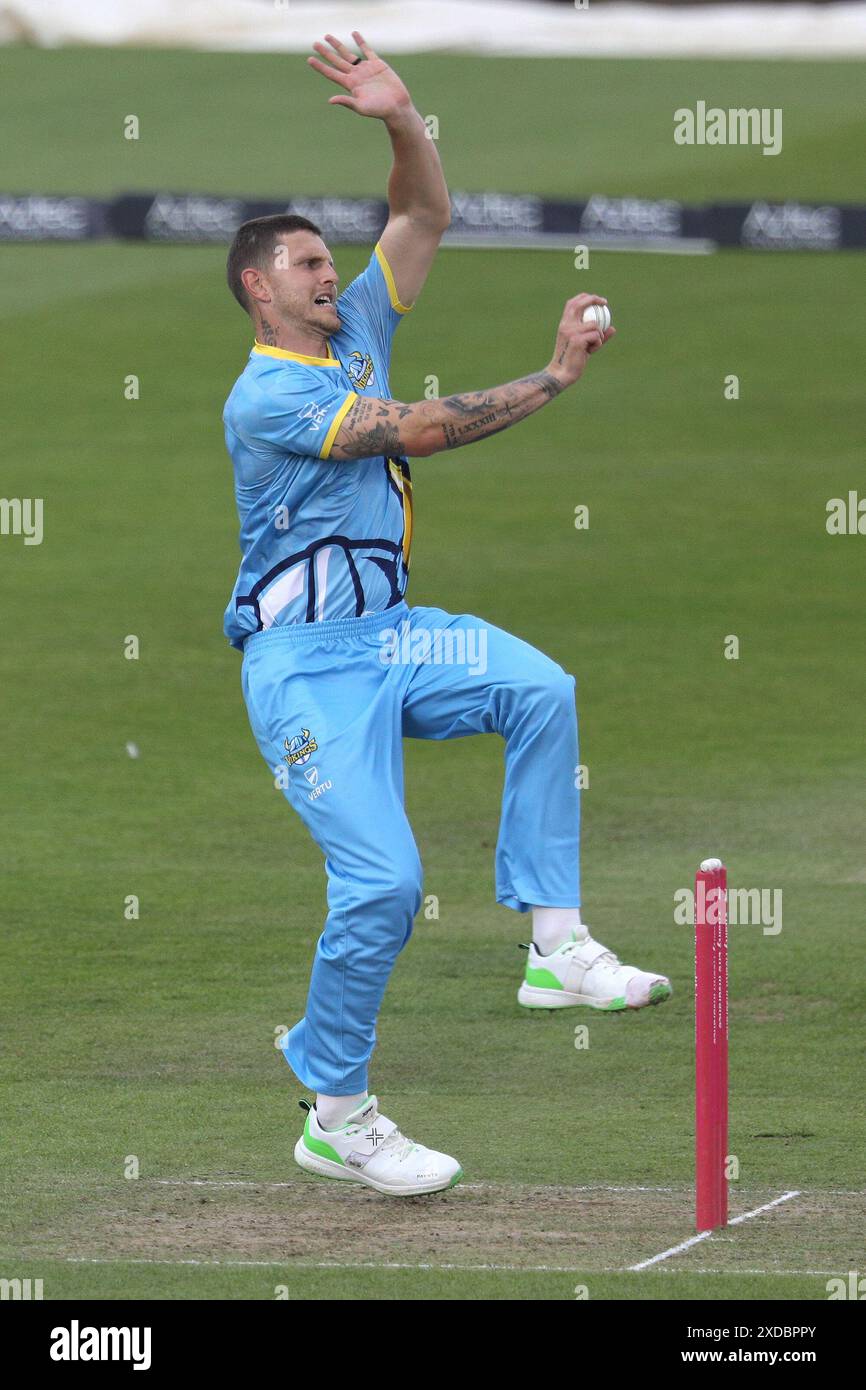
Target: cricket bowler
(337,667)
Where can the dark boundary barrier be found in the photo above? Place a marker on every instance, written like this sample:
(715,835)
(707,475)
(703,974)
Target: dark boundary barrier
(479,219)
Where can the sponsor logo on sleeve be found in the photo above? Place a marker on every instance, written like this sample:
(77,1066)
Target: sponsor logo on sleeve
(314,413)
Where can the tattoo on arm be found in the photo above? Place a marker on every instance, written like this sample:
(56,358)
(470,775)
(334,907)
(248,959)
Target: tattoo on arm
(482,413)
(367,430)
(372,427)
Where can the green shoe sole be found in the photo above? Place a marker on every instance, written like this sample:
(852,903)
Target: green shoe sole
(659,993)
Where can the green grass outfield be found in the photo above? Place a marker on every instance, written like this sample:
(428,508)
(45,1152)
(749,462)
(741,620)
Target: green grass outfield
(291,1281)
(154,1038)
(260,124)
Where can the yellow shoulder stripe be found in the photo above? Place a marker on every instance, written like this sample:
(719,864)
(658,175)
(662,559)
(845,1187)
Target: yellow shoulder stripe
(389,281)
(336,423)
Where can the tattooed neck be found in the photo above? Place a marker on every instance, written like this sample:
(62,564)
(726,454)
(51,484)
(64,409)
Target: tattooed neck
(268,334)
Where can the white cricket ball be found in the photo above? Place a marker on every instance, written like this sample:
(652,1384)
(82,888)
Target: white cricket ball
(599,315)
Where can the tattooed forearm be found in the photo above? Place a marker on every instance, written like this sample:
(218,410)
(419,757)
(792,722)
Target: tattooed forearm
(374,427)
(483,413)
(550,384)
(466,405)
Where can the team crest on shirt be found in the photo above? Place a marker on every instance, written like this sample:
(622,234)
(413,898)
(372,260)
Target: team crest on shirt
(300,748)
(360,368)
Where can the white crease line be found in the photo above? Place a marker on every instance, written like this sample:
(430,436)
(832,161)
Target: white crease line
(674,1250)
(705,1235)
(560,1187)
(747,1215)
(816,1273)
(685,1189)
(290,1264)
(462,1187)
(216,1182)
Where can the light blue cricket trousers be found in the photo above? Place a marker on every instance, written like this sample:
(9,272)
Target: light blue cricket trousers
(330,703)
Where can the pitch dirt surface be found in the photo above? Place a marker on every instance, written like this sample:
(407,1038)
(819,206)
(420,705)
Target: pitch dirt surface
(302,1225)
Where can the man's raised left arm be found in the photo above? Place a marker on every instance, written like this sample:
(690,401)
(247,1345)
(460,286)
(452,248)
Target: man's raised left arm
(418,201)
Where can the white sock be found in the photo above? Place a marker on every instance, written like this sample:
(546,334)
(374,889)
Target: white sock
(553,925)
(332,1112)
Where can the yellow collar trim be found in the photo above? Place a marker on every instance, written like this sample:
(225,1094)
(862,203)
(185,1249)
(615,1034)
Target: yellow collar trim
(295,356)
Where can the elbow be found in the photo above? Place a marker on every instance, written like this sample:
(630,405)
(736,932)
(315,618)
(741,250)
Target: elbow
(424,442)
(433,220)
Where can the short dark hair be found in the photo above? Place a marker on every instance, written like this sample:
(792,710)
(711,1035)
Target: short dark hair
(254,245)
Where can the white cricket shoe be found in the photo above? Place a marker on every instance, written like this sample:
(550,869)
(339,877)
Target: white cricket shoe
(582,971)
(371,1150)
